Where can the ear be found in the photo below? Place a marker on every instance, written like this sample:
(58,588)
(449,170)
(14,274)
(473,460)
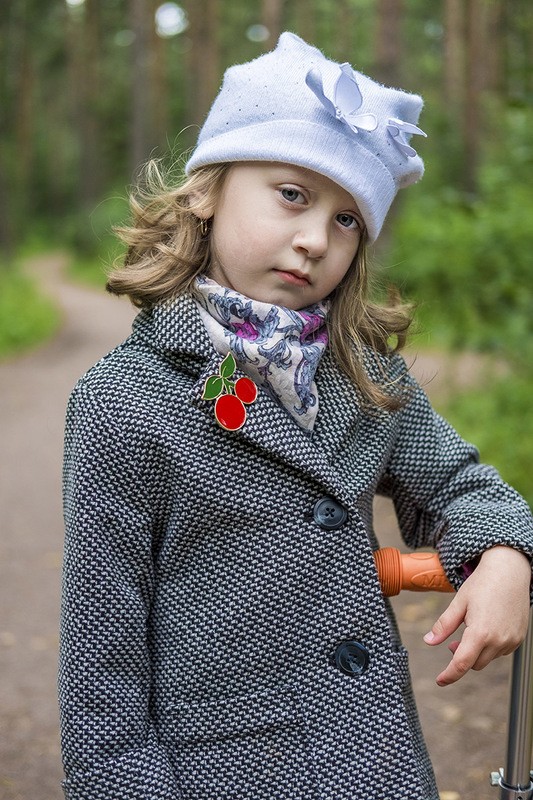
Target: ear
(200,206)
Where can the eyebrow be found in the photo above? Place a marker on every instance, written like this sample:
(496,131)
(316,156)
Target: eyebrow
(293,173)
(296,173)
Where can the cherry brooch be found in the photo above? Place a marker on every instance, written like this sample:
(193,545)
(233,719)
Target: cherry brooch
(230,396)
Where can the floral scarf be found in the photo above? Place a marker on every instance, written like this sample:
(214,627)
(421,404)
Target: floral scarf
(278,348)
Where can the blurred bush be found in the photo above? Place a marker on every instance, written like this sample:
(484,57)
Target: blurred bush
(467,261)
(467,264)
(26,316)
(498,419)
(92,242)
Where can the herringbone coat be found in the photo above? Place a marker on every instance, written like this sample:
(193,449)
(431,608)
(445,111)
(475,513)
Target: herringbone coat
(203,602)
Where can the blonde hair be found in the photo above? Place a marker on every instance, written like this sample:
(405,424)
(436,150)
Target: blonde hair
(167,248)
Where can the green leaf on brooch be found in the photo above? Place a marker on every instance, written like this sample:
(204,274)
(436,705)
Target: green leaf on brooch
(213,387)
(228,366)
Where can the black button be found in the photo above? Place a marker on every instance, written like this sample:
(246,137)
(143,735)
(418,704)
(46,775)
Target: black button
(329,514)
(352,658)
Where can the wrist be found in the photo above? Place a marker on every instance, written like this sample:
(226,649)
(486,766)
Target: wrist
(502,556)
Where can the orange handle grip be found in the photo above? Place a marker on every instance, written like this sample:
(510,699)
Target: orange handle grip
(419,572)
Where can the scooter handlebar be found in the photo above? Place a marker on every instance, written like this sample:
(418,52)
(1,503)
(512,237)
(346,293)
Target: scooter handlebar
(418,572)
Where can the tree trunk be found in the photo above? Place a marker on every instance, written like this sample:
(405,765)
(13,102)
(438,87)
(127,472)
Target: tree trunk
(83,54)
(91,157)
(6,226)
(204,58)
(475,80)
(160,85)
(344,29)
(141,108)
(495,69)
(272,19)
(388,59)
(454,57)
(16,125)
(389,42)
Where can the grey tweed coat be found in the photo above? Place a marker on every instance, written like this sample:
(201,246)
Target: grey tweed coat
(209,596)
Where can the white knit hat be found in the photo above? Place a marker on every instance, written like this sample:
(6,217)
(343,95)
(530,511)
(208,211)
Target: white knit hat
(294,105)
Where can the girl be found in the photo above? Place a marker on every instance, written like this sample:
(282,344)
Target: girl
(223,633)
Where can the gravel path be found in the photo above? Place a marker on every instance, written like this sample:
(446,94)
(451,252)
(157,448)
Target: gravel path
(465,724)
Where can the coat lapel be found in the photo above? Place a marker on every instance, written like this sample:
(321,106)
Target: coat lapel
(271,428)
(177,329)
(339,412)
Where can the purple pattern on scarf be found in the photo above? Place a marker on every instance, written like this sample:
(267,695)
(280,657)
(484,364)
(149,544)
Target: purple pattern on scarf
(267,340)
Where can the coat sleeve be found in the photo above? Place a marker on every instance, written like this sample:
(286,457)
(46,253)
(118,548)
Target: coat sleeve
(109,744)
(444,498)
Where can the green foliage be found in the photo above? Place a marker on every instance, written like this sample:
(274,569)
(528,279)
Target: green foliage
(26,317)
(93,242)
(498,420)
(467,261)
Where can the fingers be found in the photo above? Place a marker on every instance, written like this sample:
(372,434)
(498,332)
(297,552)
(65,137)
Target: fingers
(465,655)
(476,650)
(473,652)
(448,622)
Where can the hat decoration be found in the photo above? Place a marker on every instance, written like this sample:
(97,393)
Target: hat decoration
(397,130)
(344,101)
(347,98)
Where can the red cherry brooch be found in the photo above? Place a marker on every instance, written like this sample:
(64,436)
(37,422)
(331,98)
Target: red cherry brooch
(230,396)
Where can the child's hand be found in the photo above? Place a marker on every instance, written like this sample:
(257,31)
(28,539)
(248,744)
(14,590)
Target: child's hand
(494,605)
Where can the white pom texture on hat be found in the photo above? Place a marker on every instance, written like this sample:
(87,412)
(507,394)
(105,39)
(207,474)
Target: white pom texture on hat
(296,106)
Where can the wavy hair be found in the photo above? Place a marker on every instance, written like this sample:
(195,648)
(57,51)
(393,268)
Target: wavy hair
(167,249)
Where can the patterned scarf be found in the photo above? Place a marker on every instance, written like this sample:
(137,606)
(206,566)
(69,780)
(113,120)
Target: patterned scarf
(279,349)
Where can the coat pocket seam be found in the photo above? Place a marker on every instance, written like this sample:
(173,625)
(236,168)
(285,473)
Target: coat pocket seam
(234,716)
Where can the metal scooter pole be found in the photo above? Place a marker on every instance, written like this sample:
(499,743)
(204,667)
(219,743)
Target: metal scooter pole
(515,781)
(423,572)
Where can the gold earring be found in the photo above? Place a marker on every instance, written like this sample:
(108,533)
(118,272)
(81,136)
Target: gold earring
(204,228)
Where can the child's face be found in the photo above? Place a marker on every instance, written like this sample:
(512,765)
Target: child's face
(283,234)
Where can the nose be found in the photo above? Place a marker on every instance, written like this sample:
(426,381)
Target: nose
(312,239)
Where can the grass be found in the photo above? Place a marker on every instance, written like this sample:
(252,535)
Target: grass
(27,317)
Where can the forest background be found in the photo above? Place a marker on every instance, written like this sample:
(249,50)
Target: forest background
(90,89)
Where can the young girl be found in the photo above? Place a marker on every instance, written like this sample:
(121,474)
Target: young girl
(224,634)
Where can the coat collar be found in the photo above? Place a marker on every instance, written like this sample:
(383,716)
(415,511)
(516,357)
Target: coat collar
(176,329)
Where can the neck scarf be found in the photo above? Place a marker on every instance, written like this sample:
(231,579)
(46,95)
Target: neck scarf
(278,348)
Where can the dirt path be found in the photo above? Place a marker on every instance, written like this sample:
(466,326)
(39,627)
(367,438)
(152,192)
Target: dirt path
(465,724)
(33,395)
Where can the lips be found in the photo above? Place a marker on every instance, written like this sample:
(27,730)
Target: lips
(293,276)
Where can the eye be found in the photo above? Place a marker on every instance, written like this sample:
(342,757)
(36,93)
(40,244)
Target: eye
(348,221)
(292,195)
